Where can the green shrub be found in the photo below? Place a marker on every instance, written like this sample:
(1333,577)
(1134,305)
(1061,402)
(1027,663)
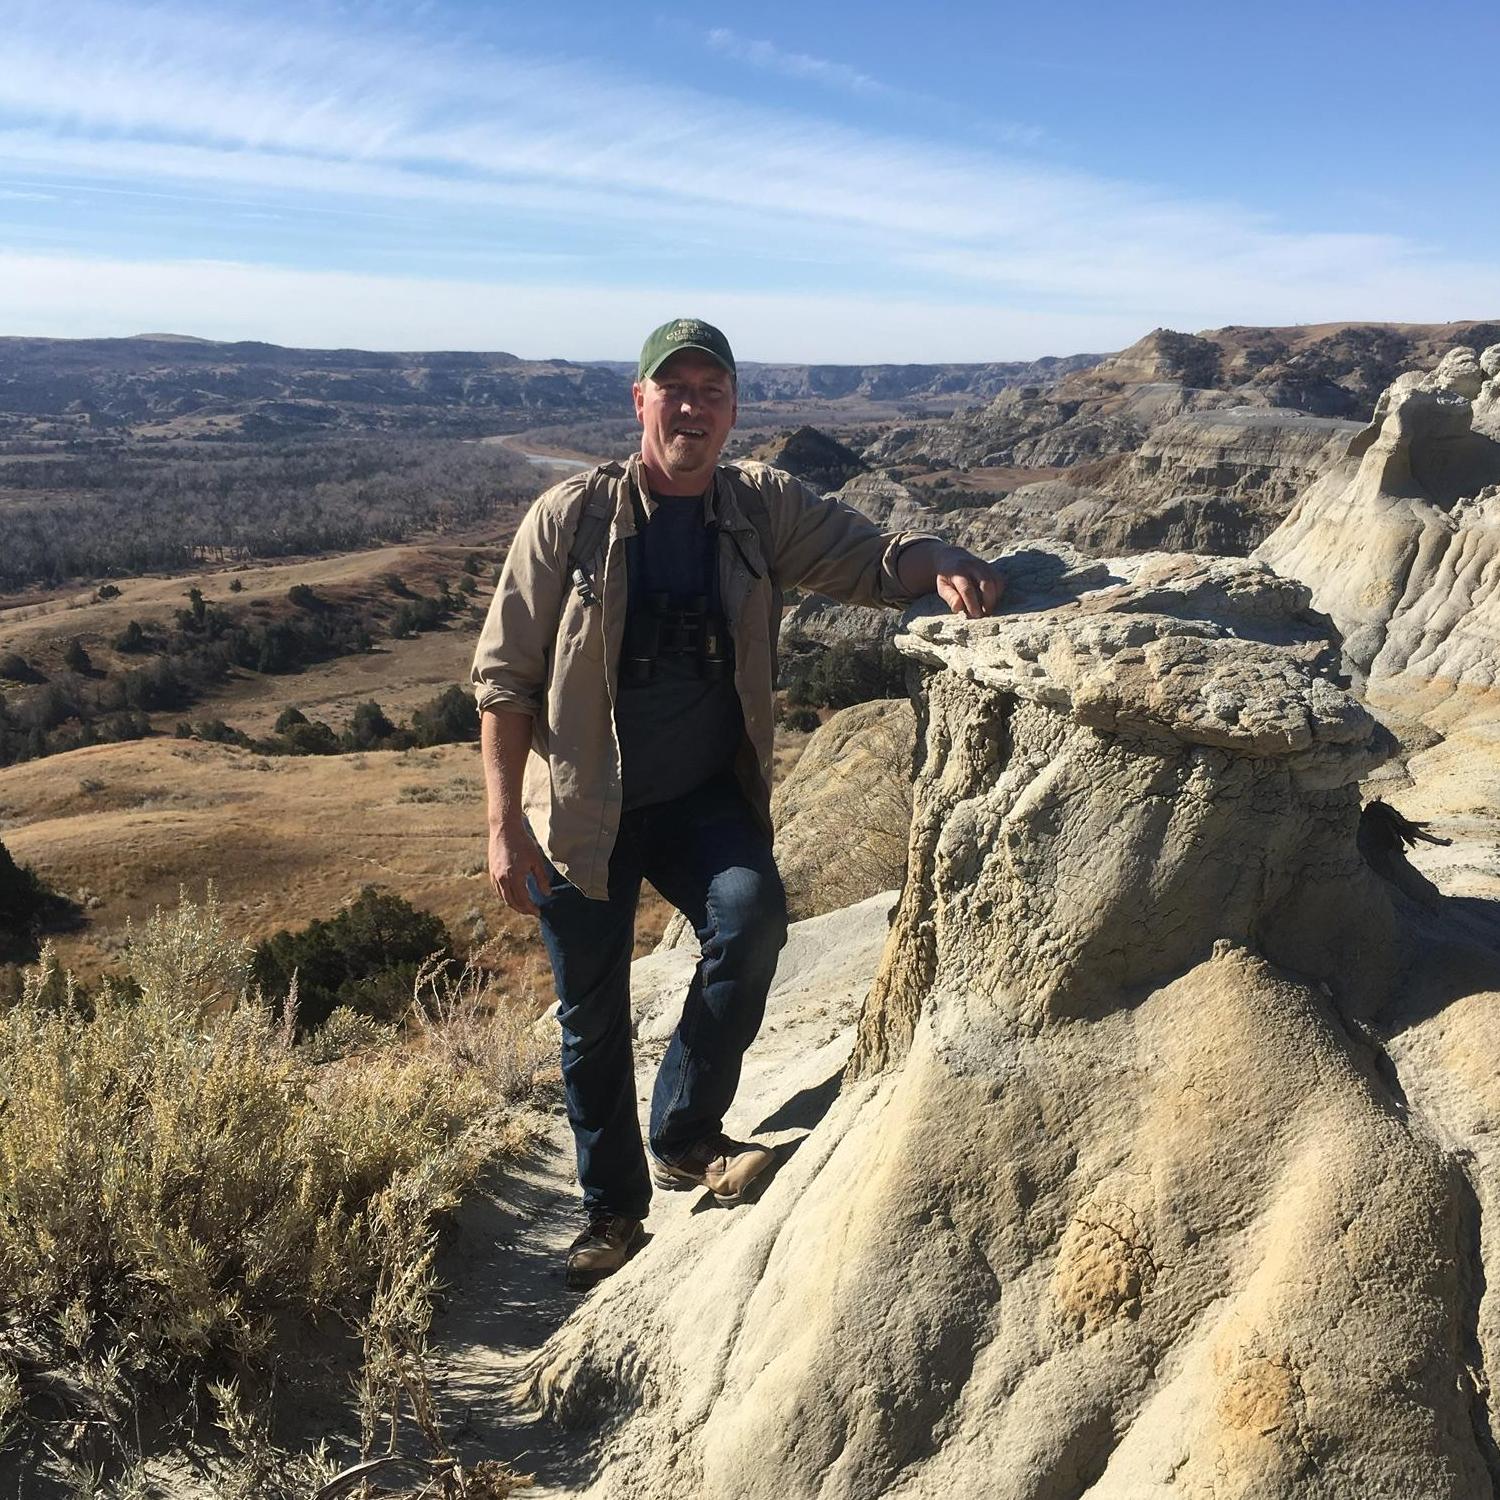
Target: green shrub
(132,638)
(369,728)
(450,718)
(365,957)
(312,737)
(844,674)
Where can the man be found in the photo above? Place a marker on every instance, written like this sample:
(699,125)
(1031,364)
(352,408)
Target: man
(625,676)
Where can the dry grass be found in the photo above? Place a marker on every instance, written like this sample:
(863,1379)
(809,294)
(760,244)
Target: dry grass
(283,839)
(176,1175)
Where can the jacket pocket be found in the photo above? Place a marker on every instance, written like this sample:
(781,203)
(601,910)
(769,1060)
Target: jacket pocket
(580,631)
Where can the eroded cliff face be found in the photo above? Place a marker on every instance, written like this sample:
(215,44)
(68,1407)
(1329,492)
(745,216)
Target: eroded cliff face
(1125,1195)
(1399,541)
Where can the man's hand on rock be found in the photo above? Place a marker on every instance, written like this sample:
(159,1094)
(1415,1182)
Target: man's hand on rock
(968,585)
(513,856)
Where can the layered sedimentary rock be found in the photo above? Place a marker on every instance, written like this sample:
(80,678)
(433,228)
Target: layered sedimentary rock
(1265,453)
(1329,370)
(1400,540)
(1103,525)
(886,501)
(1400,543)
(1245,416)
(1124,1195)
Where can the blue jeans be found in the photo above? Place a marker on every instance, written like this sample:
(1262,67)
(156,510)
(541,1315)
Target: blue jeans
(709,856)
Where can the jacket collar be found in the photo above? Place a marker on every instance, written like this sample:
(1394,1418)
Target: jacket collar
(720,504)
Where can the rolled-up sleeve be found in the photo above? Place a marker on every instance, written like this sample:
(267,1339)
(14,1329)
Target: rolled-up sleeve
(830,548)
(512,660)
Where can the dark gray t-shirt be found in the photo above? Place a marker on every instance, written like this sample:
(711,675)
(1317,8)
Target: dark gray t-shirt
(680,728)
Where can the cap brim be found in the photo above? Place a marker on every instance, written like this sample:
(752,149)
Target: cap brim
(713,354)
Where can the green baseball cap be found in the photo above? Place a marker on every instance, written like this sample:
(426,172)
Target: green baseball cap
(683,333)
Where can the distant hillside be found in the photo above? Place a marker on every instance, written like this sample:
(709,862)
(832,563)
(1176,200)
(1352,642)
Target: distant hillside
(194,388)
(762,382)
(811,455)
(1324,370)
(172,385)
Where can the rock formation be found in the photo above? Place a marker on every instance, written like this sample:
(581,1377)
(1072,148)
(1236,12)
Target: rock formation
(823,461)
(887,501)
(1264,453)
(1153,434)
(1400,543)
(1400,540)
(1160,1170)
(843,814)
(1328,370)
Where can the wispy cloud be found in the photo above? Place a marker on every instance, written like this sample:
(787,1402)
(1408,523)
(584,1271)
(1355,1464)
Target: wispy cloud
(799,65)
(427,145)
(844,79)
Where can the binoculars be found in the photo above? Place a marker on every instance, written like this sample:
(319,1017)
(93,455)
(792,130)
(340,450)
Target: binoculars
(658,630)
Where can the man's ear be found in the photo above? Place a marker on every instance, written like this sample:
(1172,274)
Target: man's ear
(638,395)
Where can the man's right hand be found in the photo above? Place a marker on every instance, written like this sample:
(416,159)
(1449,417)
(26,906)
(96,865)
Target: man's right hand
(513,856)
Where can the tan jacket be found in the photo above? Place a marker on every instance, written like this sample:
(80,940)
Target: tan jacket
(544,652)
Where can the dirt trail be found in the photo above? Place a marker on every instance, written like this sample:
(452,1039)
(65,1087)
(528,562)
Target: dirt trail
(505,1298)
(504,1268)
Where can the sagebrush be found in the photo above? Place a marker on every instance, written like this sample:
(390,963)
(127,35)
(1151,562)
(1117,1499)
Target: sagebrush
(176,1171)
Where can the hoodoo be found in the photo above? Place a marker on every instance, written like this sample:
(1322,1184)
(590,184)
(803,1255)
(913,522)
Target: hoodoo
(1147,1177)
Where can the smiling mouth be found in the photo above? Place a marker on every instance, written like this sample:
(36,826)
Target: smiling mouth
(689,432)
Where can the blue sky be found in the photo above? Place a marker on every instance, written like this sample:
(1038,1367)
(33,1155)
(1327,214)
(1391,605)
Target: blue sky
(836,182)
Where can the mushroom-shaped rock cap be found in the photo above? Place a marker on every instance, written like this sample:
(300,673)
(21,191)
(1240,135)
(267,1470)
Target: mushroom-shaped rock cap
(1201,650)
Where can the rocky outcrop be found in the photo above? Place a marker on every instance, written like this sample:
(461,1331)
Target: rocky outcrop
(1400,543)
(1400,540)
(1268,456)
(814,456)
(1163,655)
(886,501)
(843,814)
(1103,525)
(1130,1192)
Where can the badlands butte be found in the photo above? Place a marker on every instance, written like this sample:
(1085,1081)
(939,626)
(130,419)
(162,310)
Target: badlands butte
(1134,1089)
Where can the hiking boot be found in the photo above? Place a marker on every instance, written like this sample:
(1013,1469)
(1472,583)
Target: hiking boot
(602,1248)
(723,1166)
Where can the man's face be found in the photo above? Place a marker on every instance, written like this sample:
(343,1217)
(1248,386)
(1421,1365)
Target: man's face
(686,411)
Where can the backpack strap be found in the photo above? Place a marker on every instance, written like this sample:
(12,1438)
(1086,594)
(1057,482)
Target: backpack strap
(584,552)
